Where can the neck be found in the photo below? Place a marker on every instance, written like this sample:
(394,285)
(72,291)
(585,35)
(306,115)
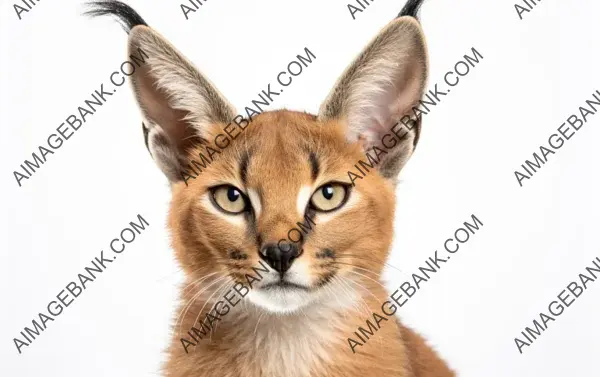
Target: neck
(249,336)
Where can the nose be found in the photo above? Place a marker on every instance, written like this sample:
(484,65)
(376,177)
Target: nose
(280,256)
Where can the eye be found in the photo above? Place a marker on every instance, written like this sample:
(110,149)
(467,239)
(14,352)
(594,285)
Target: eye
(329,197)
(229,199)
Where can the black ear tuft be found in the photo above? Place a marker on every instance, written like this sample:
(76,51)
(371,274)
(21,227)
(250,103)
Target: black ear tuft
(146,131)
(411,8)
(128,18)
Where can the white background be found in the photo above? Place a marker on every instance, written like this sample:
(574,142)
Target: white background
(535,239)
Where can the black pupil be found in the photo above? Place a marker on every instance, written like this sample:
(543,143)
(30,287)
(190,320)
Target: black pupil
(233,194)
(327,192)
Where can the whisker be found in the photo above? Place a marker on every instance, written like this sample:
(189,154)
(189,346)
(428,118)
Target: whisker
(363,287)
(257,322)
(338,281)
(187,305)
(199,280)
(359,296)
(226,287)
(202,291)
(370,259)
(207,301)
(358,273)
(360,268)
(332,293)
(376,299)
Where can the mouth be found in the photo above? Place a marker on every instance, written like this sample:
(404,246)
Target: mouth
(282,296)
(283,284)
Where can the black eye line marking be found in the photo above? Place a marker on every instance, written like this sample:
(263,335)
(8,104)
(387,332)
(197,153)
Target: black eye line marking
(244,168)
(314,165)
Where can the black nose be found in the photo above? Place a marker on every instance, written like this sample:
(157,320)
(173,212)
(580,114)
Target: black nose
(280,256)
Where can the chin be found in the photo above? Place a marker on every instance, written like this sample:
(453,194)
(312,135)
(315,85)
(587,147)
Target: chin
(281,300)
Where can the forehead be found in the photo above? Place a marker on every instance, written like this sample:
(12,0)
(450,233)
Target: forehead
(290,133)
(286,148)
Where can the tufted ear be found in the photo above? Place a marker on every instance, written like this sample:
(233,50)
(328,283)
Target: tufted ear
(178,104)
(379,88)
(177,101)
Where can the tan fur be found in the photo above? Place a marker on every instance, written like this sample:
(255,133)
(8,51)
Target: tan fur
(251,342)
(308,337)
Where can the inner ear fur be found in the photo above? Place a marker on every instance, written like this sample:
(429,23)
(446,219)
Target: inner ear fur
(379,88)
(178,103)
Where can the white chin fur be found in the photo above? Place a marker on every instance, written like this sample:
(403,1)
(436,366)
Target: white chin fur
(280,300)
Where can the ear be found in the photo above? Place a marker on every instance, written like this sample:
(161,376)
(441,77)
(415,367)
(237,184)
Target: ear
(178,103)
(378,89)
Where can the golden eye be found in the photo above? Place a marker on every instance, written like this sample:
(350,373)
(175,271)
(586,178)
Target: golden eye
(329,197)
(229,199)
